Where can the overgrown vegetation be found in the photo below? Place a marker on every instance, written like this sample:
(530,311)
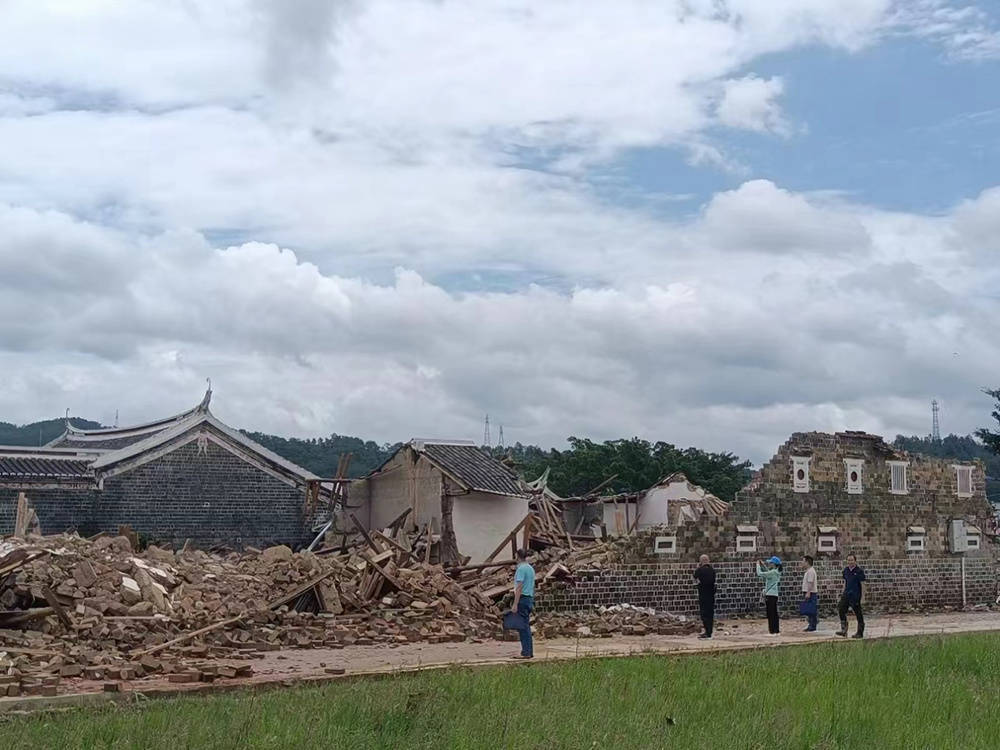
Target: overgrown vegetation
(937,692)
(637,463)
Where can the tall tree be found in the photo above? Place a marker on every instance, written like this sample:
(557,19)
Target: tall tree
(992,439)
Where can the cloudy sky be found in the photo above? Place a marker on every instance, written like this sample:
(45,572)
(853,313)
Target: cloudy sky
(711,222)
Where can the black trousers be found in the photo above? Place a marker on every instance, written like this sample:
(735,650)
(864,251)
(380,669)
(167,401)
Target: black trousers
(771,603)
(707,609)
(855,606)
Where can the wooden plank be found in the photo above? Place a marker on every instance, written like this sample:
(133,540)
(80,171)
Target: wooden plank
(398,520)
(11,567)
(189,636)
(387,576)
(19,616)
(22,519)
(296,593)
(364,533)
(393,543)
(481,566)
(50,597)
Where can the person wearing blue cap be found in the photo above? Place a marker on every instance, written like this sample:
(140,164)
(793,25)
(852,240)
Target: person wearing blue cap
(770,571)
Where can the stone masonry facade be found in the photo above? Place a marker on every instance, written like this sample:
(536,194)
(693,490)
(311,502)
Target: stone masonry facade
(211,498)
(892,586)
(783,512)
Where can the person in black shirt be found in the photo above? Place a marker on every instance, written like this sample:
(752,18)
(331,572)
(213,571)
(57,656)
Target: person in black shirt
(705,576)
(853,576)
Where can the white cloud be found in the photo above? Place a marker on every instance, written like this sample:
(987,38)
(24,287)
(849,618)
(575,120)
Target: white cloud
(289,198)
(683,352)
(750,103)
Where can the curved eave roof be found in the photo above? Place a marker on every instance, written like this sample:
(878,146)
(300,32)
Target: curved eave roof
(198,418)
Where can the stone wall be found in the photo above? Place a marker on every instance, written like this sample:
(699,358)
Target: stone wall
(892,586)
(212,498)
(873,523)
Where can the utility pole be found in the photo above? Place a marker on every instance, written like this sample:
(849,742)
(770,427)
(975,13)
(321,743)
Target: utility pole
(486,433)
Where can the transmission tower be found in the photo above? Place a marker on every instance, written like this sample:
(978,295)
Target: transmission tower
(500,438)
(486,433)
(935,425)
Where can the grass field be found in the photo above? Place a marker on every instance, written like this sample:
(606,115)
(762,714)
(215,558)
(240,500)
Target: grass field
(940,692)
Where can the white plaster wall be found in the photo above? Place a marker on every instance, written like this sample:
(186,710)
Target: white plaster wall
(655,505)
(403,483)
(481,521)
(627,517)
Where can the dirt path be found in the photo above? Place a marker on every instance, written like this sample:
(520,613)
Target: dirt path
(314,665)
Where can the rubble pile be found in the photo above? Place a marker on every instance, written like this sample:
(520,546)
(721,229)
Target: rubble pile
(100,609)
(603,622)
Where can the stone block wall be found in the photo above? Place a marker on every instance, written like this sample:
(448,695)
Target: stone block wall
(210,498)
(872,524)
(892,586)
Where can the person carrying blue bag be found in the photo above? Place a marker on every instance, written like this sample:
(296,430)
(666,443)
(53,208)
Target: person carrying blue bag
(809,606)
(524,601)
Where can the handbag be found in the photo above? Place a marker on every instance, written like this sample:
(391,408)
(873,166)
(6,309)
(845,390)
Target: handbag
(809,606)
(514,621)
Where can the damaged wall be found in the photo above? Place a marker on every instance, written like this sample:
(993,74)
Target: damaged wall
(482,520)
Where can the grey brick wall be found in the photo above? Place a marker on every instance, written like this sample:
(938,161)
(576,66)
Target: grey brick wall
(892,586)
(212,498)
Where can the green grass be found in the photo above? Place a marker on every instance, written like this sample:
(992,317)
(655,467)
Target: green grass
(939,692)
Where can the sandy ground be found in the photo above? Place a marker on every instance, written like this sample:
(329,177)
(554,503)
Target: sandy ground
(314,665)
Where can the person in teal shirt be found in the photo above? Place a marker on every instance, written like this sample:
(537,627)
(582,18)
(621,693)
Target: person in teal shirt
(770,571)
(524,601)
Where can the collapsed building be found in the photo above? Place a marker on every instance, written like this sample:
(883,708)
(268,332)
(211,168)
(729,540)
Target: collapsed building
(921,526)
(465,498)
(188,477)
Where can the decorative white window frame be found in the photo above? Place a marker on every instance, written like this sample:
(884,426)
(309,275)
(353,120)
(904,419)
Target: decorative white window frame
(973,538)
(916,539)
(826,539)
(961,470)
(903,472)
(854,466)
(746,538)
(665,545)
(800,464)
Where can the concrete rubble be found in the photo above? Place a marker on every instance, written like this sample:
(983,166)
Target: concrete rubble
(73,608)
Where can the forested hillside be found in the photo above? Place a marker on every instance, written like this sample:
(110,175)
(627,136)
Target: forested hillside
(40,433)
(962,448)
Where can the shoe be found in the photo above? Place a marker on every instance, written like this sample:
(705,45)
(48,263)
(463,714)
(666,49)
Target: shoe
(704,635)
(841,633)
(809,630)
(858,635)
(522,656)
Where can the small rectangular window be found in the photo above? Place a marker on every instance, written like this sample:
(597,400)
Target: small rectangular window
(826,543)
(915,542)
(897,477)
(746,543)
(964,480)
(665,545)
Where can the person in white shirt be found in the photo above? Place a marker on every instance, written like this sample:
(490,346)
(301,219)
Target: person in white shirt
(810,596)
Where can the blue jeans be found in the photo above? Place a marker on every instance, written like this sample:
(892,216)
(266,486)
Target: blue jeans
(524,606)
(813,619)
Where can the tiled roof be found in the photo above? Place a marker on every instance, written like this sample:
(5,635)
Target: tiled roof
(473,468)
(36,467)
(108,444)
